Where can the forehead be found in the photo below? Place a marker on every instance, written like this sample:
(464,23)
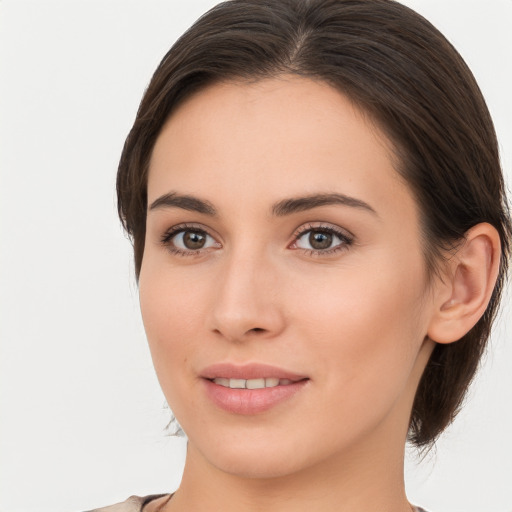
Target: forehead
(273,138)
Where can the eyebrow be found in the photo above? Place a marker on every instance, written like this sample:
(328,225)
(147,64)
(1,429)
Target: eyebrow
(185,202)
(300,204)
(279,209)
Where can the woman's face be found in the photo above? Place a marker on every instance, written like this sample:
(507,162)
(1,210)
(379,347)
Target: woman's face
(282,250)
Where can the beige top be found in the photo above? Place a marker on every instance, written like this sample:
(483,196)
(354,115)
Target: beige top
(138,504)
(135,504)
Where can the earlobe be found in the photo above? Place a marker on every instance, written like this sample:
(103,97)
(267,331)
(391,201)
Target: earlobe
(463,296)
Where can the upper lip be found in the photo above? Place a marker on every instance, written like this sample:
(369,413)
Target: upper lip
(248,371)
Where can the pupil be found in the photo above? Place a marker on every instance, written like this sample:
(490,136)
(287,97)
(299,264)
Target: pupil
(320,240)
(193,240)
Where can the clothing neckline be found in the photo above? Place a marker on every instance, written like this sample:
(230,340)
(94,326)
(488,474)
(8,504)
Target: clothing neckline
(153,497)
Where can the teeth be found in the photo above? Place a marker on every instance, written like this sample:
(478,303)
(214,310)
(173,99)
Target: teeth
(255,383)
(269,382)
(237,383)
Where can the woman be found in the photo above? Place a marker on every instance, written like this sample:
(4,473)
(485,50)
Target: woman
(321,237)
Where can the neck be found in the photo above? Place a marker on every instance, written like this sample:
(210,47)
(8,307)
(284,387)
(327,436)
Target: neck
(370,477)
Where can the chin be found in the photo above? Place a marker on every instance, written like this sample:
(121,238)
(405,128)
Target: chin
(257,465)
(256,456)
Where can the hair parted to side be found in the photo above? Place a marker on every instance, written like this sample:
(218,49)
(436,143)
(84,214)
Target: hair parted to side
(409,79)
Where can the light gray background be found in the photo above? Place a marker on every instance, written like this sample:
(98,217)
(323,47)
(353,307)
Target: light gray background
(81,412)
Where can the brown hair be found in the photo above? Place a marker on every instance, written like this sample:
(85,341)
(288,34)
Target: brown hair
(400,70)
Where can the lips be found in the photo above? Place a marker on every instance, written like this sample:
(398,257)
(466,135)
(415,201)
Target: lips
(252,388)
(269,382)
(249,372)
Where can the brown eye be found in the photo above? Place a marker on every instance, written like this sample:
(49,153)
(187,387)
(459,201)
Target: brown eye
(194,240)
(189,240)
(320,240)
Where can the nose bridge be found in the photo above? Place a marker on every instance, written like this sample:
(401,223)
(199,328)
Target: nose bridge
(247,296)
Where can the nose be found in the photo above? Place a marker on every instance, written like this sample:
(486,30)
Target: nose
(247,303)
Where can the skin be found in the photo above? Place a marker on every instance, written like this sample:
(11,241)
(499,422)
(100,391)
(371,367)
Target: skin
(354,321)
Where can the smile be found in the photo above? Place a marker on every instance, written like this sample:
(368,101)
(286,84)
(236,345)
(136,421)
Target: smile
(269,382)
(251,388)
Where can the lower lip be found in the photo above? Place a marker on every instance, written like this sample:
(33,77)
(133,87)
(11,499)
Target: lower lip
(250,401)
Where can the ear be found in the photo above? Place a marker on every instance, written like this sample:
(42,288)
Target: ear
(461,298)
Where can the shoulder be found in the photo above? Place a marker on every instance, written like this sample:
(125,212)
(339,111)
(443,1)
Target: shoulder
(132,504)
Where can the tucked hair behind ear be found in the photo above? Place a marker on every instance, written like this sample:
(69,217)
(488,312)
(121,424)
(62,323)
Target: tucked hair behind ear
(405,75)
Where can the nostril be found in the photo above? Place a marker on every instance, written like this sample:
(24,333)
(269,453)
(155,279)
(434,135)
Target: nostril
(257,329)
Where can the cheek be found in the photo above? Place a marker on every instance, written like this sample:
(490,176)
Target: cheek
(170,298)
(172,307)
(366,326)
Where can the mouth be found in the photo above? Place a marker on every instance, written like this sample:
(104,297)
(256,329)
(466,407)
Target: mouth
(261,383)
(252,388)
(250,375)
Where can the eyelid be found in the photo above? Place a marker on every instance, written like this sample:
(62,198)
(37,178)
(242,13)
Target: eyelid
(169,234)
(326,226)
(344,235)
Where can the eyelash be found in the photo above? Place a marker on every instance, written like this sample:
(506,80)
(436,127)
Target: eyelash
(346,239)
(167,237)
